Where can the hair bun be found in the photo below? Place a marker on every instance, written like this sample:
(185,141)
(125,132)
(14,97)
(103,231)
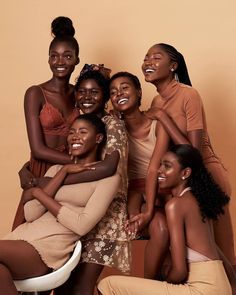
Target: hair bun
(62,26)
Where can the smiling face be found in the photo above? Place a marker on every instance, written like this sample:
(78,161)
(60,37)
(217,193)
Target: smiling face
(123,94)
(89,97)
(157,65)
(83,139)
(171,173)
(62,59)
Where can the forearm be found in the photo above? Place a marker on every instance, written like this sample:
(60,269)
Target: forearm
(45,153)
(151,186)
(135,201)
(103,169)
(49,203)
(82,221)
(172,130)
(52,186)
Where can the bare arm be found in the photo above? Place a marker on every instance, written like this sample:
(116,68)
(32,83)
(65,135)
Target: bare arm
(151,188)
(33,104)
(177,136)
(103,169)
(175,221)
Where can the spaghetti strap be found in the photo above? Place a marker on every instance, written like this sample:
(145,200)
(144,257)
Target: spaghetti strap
(44,95)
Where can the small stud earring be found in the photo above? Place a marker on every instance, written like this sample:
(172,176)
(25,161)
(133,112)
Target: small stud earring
(183,177)
(172,69)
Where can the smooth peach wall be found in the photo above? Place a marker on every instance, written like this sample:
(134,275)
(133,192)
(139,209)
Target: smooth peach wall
(117,33)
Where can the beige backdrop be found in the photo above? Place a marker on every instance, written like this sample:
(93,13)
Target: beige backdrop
(117,33)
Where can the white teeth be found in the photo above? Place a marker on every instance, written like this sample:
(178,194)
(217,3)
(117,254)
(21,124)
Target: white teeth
(76,145)
(160,178)
(122,100)
(61,69)
(149,71)
(87,105)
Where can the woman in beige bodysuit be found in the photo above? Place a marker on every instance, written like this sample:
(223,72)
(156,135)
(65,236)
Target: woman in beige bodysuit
(196,200)
(57,216)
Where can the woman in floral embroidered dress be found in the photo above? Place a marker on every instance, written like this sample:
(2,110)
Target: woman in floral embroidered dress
(107,244)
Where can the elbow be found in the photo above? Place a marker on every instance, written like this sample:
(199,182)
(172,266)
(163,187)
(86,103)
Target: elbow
(36,152)
(178,276)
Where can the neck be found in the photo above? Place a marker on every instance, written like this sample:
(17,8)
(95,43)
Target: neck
(134,119)
(60,85)
(162,84)
(180,191)
(86,159)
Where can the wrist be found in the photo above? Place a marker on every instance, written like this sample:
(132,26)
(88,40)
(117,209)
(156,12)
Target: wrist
(33,182)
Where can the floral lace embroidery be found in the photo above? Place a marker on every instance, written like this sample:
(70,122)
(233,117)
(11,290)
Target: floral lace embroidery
(108,243)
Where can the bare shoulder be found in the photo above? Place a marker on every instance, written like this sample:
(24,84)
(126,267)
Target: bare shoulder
(173,205)
(34,93)
(181,205)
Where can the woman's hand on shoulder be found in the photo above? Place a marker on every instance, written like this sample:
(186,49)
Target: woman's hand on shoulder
(155,113)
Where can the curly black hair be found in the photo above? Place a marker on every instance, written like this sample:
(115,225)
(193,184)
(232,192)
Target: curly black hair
(95,75)
(63,31)
(210,197)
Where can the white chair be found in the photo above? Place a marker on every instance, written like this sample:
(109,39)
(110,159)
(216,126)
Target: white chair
(52,280)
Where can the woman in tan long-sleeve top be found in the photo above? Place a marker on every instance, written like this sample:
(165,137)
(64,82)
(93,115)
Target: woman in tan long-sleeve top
(57,216)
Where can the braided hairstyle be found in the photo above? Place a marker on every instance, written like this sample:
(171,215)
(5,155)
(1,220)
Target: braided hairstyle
(177,57)
(211,199)
(63,31)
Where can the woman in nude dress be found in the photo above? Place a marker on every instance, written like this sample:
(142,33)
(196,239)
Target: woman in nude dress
(196,200)
(148,142)
(56,215)
(179,108)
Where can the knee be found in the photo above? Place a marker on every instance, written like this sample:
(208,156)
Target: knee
(5,274)
(158,227)
(104,285)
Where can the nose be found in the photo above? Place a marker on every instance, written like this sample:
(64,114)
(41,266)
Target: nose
(76,135)
(87,94)
(60,60)
(120,92)
(147,62)
(160,170)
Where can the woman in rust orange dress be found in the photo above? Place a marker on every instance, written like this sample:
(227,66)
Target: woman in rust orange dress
(50,108)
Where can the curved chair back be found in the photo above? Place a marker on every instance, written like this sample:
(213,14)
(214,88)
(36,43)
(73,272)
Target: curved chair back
(52,280)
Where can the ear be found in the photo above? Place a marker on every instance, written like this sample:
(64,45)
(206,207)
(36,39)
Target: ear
(77,61)
(173,66)
(186,173)
(139,93)
(99,138)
